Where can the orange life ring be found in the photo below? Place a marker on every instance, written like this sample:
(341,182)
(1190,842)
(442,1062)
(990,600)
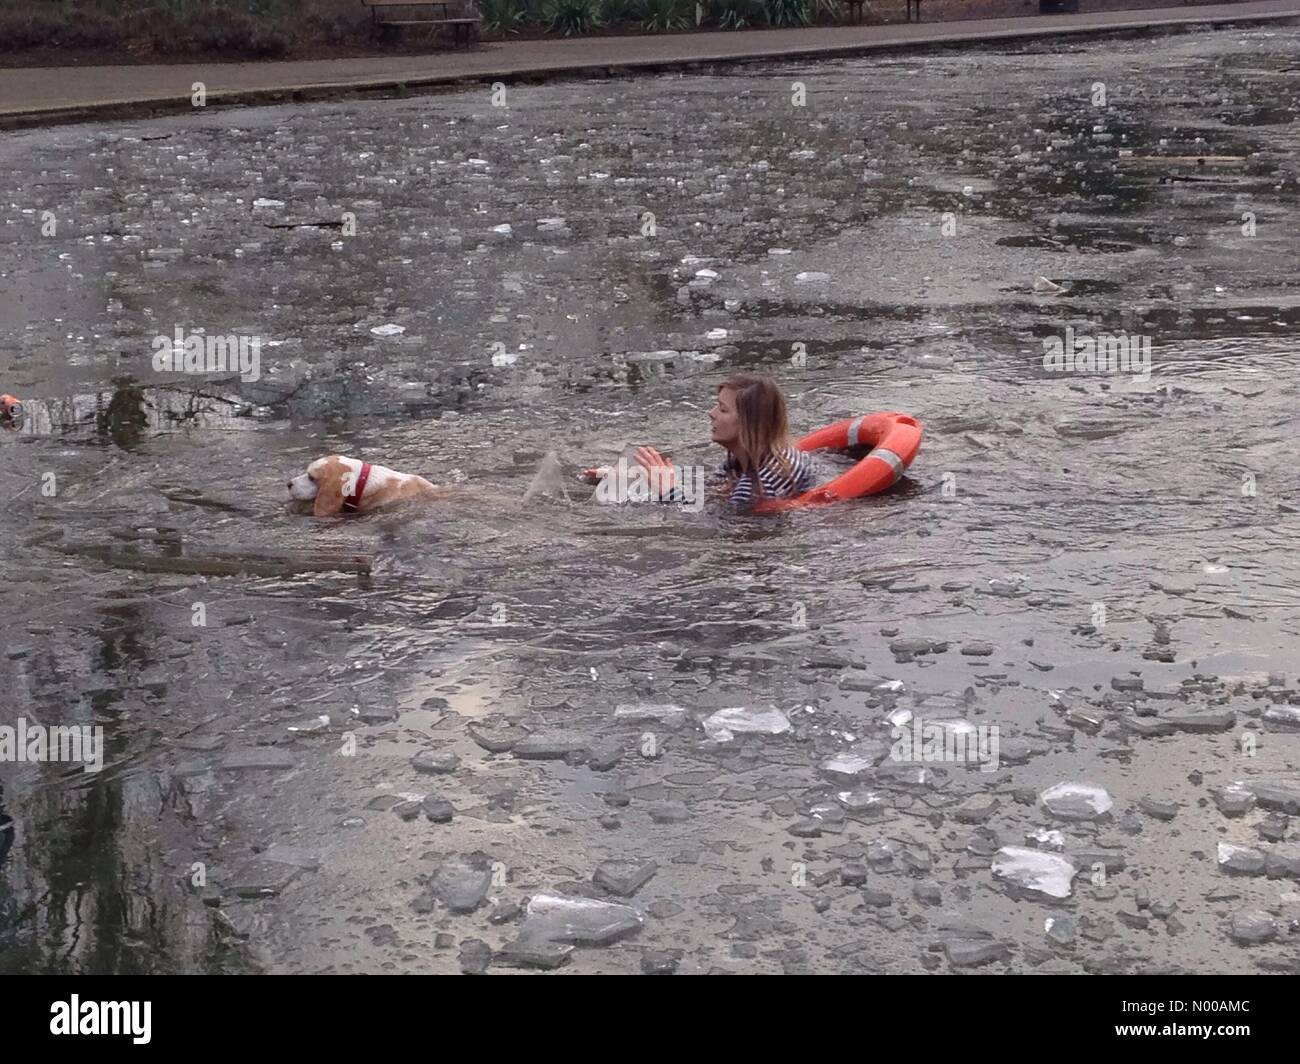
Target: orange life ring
(10,406)
(894,440)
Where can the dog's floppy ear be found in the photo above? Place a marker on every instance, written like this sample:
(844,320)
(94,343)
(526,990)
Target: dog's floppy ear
(330,483)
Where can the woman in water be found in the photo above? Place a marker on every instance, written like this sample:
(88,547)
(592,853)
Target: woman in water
(749,419)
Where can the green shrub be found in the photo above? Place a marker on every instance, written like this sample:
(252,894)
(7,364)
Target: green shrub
(58,26)
(336,28)
(735,14)
(614,11)
(502,16)
(535,12)
(658,16)
(238,33)
(571,17)
(828,11)
(787,12)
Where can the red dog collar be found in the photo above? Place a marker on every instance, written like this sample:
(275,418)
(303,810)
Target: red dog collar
(353,501)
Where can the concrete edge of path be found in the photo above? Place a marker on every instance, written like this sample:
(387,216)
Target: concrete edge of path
(392,87)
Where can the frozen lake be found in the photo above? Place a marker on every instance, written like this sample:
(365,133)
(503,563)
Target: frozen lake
(1100,565)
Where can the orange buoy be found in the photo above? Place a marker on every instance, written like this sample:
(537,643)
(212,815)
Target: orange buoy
(11,406)
(894,440)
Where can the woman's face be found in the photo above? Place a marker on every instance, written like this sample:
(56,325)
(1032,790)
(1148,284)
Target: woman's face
(723,418)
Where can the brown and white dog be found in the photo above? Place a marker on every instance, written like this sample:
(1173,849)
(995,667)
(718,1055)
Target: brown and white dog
(336,484)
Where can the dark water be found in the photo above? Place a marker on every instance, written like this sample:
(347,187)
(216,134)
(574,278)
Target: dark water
(1038,496)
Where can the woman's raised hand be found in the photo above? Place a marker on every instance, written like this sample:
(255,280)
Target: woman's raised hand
(648,457)
(663,478)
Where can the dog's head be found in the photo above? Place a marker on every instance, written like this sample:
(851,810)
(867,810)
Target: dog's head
(327,482)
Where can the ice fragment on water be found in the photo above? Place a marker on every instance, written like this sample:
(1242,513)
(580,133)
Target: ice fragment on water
(1076,801)
(1034,870)
(723,725)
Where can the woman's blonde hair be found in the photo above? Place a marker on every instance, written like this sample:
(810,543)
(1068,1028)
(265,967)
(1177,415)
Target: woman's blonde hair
(764,425)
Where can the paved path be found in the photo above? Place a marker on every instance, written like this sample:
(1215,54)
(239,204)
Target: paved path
(45,95)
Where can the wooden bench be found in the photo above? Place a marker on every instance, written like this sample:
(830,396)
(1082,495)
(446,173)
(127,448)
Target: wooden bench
(399,14)
(855,9)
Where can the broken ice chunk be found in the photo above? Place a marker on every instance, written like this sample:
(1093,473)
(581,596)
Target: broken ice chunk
(564,918)
(1076,801)
(899,718)
(646,711)
(847,764)
(1283,716)
(1240,859)
(863,801)
(1233,799)
(1252,926)
(1046,840)
(1034,870)
(723,725)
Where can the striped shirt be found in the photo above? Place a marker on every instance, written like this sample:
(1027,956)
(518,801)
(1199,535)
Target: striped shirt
(777,482)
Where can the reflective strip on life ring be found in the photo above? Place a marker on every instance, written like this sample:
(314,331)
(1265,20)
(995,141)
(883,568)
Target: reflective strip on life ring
(894,440)
(889,458)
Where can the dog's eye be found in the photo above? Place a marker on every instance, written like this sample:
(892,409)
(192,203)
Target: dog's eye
(311,478)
